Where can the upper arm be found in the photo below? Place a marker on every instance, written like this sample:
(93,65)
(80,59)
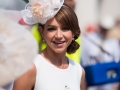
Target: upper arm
(26,81)
(83,83)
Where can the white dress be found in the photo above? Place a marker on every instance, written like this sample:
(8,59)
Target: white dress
(50,77)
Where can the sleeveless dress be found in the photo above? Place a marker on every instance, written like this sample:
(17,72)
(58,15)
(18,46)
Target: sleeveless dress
(49,77)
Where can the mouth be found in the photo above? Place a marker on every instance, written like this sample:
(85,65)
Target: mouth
(59,43)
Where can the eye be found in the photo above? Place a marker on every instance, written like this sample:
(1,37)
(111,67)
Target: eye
(65,29)
(51,29)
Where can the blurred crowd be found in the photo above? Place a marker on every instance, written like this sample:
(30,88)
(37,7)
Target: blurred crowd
(101,44)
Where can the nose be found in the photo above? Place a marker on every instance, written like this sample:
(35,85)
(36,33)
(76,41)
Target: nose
(58,34)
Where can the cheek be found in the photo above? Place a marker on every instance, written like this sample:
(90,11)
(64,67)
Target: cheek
(47,36)
(69,36)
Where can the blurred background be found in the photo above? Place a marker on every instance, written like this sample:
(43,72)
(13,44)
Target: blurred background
(90,11)
(99,21)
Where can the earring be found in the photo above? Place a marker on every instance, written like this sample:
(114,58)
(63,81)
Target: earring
(43,40)
(73,39)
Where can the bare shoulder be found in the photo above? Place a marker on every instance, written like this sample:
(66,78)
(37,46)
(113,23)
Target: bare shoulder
(83,72)
(83,81)
(83,75)
(26,81)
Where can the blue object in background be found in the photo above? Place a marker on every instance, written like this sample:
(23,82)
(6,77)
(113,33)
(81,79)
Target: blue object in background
(102,73)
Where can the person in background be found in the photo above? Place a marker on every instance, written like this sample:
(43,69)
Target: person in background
(115,32)
(52,69)
(96,48)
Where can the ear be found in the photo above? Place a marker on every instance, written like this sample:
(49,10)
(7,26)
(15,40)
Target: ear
(40,30)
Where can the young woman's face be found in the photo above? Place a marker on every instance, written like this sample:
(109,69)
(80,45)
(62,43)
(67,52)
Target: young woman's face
(57,37)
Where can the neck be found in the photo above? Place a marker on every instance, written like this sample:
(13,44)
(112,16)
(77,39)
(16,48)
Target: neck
(57,59)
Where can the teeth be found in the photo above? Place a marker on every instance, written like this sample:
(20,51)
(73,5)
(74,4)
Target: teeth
(59,42)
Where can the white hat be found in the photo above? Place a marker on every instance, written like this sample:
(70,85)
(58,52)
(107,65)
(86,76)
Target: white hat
(39,11)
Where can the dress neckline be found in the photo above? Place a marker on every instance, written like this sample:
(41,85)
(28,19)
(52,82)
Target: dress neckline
(53,66)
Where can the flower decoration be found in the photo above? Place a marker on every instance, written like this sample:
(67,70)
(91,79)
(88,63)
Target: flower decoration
(35,10)
(39,11)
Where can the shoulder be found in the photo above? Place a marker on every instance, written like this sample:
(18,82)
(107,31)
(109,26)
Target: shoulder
(39,61)
(26,81)
(80,70)
(74,63)
(30,73)
(83,85)
(77,66)
(83,72)
(38,58)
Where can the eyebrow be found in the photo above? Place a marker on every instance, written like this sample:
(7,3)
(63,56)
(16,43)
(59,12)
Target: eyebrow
(51,25)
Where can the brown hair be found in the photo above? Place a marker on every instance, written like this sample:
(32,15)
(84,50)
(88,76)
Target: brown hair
(67,17)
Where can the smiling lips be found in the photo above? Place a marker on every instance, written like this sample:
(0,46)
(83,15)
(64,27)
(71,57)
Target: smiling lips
(60,43)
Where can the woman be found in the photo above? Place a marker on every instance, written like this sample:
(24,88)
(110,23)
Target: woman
(52,70)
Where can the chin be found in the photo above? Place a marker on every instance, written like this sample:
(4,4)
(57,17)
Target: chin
(59,51)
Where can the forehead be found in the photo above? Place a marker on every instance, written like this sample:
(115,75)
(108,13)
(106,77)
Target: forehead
(52,22)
